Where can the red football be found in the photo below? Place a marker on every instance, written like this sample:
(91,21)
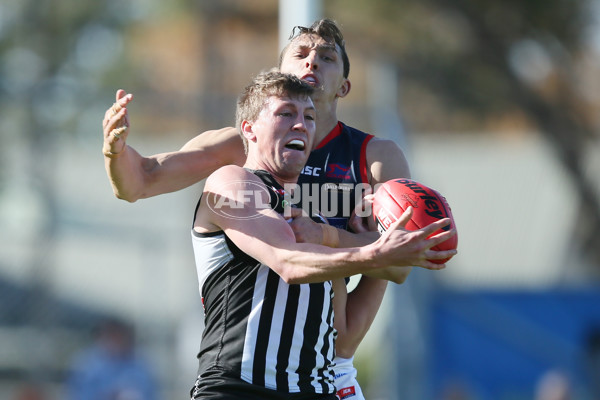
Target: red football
(395,196)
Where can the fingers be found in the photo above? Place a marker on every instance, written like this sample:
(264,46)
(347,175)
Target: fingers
(441,237)
(112,121)
(404,218)
(116,124)
(430,265)
(291,213)
(369,198)
(120,94)
(296,212)
(435,226)
(117,132)
(122,99)
(440,254)
(358,224)
(397,225)
(116,119)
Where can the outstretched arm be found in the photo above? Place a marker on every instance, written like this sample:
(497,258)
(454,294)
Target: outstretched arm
(135,177)
(229,208)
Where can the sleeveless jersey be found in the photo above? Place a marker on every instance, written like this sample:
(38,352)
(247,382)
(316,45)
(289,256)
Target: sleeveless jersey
(257,327)
(334,168)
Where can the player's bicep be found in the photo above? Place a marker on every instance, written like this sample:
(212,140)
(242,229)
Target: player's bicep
(266,239)
(385,161)
(197,159)
(239,204)
(217,147)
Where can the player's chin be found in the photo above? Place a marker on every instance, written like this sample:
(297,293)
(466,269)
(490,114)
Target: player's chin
(292,170)
(295,158)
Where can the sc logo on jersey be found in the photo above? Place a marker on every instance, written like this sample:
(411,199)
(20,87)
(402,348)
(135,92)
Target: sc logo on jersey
(312,171)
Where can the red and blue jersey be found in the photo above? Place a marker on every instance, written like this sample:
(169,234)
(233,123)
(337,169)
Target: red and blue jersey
(334,168)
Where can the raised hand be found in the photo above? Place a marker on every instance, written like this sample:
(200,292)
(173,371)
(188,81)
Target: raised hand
(116,124)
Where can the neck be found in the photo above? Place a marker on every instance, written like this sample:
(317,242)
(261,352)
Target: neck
(326,119)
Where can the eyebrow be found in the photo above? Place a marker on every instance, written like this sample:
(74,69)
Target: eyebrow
(322,46)
(327,47)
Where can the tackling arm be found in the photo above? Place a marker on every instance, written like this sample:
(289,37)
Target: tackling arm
(134,177)
(274,243)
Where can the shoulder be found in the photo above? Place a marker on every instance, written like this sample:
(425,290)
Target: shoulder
(354,133)
(225,197)
(229,175)
(385,145)
(386,160)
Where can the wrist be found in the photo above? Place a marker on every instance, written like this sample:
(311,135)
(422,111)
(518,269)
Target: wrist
(373,255)
(331,236)
(109,153)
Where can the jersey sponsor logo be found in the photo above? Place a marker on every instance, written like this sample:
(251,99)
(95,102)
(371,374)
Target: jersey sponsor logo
(311,171)
(341,187)
(433,209)
(338,171)
(346,393)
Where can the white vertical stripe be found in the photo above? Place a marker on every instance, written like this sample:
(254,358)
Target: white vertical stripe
(210,254)
(322,330)
(326,161)
(298,338)
(331,354)
(352,169)
(275,334)
(253,320)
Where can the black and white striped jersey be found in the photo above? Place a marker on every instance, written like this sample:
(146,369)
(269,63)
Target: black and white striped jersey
(257,327)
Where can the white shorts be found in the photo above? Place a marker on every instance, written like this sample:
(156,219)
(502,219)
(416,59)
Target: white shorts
(345,382)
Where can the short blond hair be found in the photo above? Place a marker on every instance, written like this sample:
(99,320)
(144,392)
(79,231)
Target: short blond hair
(266,84)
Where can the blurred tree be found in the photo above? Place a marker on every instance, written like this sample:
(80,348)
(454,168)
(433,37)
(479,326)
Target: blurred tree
(472,65)
(44,88)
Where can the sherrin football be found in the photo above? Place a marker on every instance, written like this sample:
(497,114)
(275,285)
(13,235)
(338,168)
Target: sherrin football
(395,196)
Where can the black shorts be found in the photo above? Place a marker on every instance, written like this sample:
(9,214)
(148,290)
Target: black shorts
(219,387)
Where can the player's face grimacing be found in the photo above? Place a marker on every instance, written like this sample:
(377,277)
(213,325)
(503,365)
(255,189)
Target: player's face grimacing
(283,134)
(318,62)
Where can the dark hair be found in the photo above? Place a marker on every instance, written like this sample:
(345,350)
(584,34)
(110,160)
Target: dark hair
(264,85)
(326,29)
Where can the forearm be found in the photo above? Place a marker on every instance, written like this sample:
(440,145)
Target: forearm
(126,174)
(367,259)
(349,239)
(393,274)
(309,263)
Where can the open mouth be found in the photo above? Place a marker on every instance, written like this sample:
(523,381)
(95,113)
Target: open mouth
(295,144)
(310,79)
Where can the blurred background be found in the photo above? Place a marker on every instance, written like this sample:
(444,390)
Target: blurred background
(496,105)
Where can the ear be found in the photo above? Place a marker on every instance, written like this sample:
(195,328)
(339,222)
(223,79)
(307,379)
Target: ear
(344,88)
(247,131)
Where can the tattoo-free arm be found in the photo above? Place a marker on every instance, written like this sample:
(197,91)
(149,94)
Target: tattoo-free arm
(133,176)
(267,237)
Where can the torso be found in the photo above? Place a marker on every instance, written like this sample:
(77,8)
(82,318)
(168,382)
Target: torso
(257,327)
(331,175)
